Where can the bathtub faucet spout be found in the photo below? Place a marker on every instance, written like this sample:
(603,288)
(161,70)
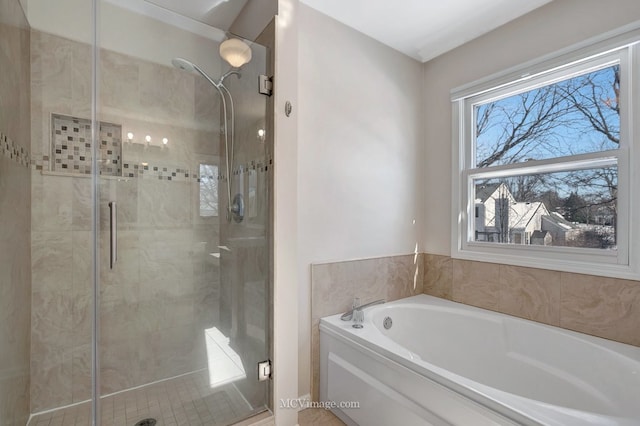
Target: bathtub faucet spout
(347,316)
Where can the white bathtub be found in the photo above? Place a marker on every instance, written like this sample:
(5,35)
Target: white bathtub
(446,363)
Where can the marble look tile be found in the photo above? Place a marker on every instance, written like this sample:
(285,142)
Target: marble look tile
(166,268)
(604,307)
(119,364)
(159,314)
(207,104)
(15,203)
(164,205)
(315,360)
(438,276)
(171,352)
(81,204)
(51,375)
(334,285)
(530,293)
(125,193)
(51,260)
(82,74)
(15,71)
(127,197)
(82,295)
(166,93)
(81,373)
(148,341)
(118,322)
(52,65)
(476,283)
(14,403)
(406,276)
(15,207)
(51,319)
(15,304)
(119,81)
(122,283)
(51,202)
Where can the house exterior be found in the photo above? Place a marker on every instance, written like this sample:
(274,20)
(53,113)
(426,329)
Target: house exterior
(561,230)
(499,217)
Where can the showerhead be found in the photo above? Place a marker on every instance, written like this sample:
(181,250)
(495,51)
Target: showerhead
(183,64)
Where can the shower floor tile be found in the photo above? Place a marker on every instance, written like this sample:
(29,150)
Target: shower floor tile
(183,401)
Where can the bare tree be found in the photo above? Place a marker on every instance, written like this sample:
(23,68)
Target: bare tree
(580,114)
(208,190)
(521,126)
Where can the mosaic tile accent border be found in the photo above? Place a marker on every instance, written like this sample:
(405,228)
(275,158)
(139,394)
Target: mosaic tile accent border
(13,152)
(78,158)
(260,166)
(182,173)
(161,172)
(71,150)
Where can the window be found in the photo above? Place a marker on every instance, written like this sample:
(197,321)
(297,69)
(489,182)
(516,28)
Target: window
(544,165)
(208,190)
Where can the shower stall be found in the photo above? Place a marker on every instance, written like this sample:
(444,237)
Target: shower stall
(136,197)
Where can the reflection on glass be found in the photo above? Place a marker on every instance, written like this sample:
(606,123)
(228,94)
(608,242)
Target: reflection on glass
(575,209)
(252,199)
(224,364)
(208,190)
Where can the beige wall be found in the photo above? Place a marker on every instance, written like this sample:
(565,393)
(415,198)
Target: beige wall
(359,151)
(15,203)
(554,26)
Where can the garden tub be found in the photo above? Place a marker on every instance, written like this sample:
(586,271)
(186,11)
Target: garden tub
(424,360)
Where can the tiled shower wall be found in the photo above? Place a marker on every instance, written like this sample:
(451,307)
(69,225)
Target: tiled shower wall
(164,290)
(15,202)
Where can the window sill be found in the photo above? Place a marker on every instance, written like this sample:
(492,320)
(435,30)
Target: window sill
(509,255)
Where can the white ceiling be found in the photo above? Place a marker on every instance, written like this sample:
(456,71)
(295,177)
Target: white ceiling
(217,13)
(424,29)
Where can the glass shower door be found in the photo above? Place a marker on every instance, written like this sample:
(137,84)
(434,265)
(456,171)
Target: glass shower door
(184,207)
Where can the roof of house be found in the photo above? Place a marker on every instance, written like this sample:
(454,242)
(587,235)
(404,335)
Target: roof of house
(557,219)
(539,234)
(483,192)
(493,190)
(525,212)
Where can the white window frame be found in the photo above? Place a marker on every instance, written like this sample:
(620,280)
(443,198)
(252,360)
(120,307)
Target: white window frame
(618,46)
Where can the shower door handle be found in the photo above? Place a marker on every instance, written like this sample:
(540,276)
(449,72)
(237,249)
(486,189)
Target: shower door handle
(113,234)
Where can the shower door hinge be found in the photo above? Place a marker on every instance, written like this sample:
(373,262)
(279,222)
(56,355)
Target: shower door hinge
(265,85)
(264,370)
